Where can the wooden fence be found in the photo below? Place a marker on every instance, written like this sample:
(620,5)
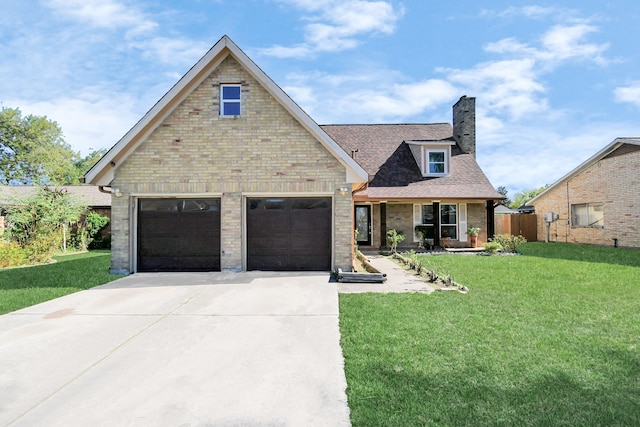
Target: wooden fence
(518,225)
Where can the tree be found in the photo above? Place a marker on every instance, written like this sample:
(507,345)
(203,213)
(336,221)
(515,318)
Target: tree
(524,196)
(44,215)
(83,165)
(503,190)
(33,151)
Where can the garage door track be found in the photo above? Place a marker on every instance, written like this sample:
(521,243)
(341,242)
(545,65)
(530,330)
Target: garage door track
(174,349)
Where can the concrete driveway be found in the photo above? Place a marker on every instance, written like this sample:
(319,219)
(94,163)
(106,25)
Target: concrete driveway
(210,349)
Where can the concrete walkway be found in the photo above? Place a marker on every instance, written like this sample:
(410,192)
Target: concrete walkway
(223,349)
(398,280)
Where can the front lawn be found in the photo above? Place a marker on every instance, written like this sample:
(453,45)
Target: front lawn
(551,337)
(23,287)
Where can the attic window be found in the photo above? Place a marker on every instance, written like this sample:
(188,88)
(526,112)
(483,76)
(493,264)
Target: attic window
(433,157)
(230,99)
(437,162)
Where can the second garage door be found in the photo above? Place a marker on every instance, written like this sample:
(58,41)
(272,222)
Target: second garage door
(289,234)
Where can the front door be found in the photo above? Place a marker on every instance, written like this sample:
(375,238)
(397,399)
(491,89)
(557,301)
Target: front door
(363,225)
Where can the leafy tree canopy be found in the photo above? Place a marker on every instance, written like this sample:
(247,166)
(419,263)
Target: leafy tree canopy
(524,196)
(33,152)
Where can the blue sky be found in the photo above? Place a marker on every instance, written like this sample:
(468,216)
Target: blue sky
(554,81)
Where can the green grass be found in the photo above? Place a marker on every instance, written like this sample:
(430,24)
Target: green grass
(551,337)
(23,287)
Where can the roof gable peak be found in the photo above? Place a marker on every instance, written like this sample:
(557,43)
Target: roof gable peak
(103,172)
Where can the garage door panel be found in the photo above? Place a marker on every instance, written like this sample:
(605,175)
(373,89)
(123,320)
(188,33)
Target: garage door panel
(179,235)
(311,262)
(289,234)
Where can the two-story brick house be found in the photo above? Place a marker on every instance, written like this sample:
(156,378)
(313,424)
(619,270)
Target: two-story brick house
(226,172)
(597,202)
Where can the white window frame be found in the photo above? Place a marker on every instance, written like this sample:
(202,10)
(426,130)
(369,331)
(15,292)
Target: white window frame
(427,163)
(224,101)
(461,220)
(456,225)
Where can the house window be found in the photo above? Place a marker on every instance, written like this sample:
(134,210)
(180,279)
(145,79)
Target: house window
(449,221)
(230,99)
(587,215)
(436,162)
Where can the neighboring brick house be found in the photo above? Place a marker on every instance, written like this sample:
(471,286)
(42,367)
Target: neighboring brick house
(597,202)
(227,173)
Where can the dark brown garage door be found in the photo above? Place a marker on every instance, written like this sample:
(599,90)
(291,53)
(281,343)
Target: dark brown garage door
(179,235)
(289,234)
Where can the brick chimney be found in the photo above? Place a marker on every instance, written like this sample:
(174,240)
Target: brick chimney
(464,124)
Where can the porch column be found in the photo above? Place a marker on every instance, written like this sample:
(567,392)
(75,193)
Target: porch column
(383,225)
(436,224)
(491,221)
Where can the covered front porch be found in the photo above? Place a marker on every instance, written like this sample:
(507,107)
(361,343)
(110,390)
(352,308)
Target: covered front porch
(444,223)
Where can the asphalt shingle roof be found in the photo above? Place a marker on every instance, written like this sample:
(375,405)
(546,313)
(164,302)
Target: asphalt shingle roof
(383,153)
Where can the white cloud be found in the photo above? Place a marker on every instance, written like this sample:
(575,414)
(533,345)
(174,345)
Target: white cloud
(534,12)
(564,42)
(630,94)
(336,25)
(558,44)
(107,14)
(372,97)
(93,120)
(173,50)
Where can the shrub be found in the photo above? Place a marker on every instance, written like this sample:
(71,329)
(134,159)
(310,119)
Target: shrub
(41,249)
(11,254)
(394,238)
(509,242)
(492,247)
(90,230)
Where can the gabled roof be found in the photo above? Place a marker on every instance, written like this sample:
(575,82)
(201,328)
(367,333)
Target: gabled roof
(383,151)
(617,147)
(88,193)
(102,173)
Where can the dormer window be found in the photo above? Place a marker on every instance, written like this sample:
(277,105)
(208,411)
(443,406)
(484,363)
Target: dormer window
(230,99)
(433,157)
(437,162)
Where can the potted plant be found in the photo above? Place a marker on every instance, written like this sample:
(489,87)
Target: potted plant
(473,235)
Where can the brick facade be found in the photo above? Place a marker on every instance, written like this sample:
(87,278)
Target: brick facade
(196,152)
(614,182)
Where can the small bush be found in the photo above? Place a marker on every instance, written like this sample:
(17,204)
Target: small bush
(11,255)
(509,242)
(41,249)
(492,247)
(394,238)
